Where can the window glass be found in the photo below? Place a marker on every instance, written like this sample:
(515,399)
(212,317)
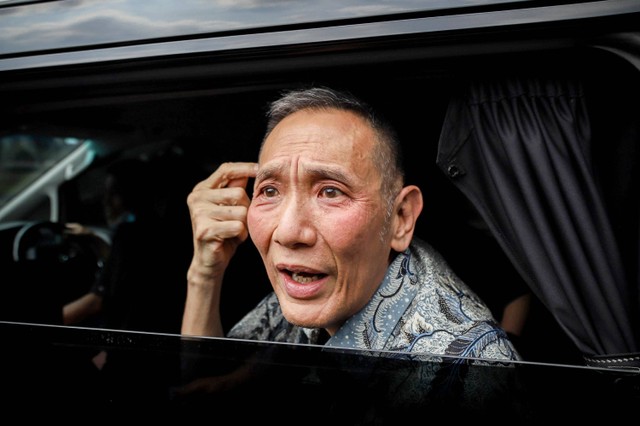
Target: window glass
(24,158)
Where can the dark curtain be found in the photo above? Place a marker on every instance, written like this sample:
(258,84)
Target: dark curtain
(520,149)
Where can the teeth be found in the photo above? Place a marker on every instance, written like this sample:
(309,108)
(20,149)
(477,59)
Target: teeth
(304,279)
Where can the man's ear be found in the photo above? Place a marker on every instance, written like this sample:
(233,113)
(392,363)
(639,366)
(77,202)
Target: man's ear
(407,208)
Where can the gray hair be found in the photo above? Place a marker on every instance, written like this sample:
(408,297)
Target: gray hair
(388,156)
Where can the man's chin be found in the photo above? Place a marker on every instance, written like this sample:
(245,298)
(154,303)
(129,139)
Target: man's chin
(303,316)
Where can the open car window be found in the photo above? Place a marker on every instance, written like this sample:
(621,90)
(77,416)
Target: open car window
(518,120)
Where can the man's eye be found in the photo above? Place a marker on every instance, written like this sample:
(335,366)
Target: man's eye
(269,192)
(330,192)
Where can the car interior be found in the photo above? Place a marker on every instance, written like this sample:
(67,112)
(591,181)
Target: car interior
(187,120)
(185,113)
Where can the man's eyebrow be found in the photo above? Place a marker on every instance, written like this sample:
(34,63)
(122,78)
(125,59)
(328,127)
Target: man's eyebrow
(328,172)
(317,172)
(270,171)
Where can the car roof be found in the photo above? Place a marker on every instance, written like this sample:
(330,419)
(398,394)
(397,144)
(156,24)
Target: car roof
(60,32)
(34,26)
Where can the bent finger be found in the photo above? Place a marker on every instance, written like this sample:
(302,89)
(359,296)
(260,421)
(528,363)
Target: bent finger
(230,174)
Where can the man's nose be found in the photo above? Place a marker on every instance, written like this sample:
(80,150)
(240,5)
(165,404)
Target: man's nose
(296,225)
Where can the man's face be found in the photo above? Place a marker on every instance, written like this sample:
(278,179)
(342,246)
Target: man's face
(317,217)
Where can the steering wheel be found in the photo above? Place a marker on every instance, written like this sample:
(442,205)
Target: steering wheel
(40,240)
(50,241)
(71,260)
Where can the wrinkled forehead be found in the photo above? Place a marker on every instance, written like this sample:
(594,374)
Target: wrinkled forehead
(321,135)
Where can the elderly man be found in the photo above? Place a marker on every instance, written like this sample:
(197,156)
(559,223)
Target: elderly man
(334,224)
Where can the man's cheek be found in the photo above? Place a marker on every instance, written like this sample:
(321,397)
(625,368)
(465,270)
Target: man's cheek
(258,226)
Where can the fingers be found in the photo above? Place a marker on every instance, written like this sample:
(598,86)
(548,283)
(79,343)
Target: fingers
(229,175)
(218,206)
(218,200)
(215,222)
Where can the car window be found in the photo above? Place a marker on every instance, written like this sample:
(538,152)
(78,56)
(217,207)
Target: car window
(155,376)
(185,92)
(32,167)
(24,158)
